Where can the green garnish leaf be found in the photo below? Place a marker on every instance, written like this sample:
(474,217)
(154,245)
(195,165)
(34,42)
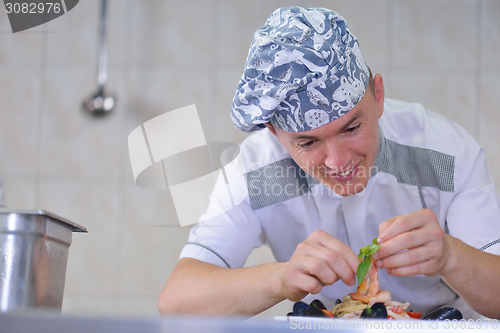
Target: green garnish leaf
(363,269)
(365,254)
(372,248)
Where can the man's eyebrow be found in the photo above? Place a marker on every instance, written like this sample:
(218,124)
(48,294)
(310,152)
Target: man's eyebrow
(349,123)
(303,137)
(309,137)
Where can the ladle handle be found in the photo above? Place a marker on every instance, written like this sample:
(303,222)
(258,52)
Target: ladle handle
(102,77)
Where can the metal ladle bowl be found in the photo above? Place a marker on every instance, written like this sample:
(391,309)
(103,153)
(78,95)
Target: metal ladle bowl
(101,104)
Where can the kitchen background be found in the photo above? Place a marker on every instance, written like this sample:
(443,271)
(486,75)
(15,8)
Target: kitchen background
(168,54)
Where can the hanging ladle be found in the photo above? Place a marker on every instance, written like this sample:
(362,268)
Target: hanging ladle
(100,103)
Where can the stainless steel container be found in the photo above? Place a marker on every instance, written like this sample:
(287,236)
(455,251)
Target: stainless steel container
(34,248)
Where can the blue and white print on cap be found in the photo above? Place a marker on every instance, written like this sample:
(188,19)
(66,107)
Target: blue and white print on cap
(304,69)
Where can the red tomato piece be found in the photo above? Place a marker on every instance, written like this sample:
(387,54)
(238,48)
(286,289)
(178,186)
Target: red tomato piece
(416,315)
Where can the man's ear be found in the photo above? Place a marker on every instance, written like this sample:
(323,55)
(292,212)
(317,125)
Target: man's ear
(271,127)
(378,83)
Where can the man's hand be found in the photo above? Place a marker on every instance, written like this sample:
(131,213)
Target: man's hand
(318,261)
(412,244)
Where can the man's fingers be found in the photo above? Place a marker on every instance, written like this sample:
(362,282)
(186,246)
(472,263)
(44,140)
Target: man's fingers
(411,244)
(328,266)
(384,225)
(425,268)
(325,258)
(338,264)
(302,285)
(338,248)
(401,242)
(406,223)
(406,258)
(320,270)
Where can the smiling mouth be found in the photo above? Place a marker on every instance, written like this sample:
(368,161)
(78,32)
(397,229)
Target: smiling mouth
(343,174)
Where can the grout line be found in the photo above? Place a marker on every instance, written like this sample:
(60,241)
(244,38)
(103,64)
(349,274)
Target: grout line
(41,115)
(478,71)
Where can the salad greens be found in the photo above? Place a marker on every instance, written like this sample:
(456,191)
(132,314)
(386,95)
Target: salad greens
(365,254)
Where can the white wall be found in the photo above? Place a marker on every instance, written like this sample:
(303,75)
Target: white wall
(169,54)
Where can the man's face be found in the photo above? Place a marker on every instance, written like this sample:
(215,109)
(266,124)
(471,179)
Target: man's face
(341,153)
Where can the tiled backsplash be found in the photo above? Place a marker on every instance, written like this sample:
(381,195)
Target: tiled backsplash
(169,54)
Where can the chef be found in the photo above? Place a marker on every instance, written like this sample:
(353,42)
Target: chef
(332,165)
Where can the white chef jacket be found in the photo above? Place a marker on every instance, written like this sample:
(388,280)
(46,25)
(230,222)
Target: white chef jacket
(424,161)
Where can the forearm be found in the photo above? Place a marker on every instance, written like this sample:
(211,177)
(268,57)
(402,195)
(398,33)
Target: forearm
(474,275)
(199,288)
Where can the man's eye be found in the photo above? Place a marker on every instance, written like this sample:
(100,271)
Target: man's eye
(352,129)
(306,144)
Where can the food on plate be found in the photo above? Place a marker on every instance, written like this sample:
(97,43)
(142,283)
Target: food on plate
(365,254)
(315,309)
(369,301)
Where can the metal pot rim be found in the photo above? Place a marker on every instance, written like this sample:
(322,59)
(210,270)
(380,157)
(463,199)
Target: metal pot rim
(40,212)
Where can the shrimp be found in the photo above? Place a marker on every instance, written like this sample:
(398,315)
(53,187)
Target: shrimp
(368,290)
(369,285)
(382,296)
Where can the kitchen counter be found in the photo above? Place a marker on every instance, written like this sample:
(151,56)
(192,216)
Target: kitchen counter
(55,323)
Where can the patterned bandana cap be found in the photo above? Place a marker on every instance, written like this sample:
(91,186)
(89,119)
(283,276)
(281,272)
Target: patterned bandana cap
(304,69)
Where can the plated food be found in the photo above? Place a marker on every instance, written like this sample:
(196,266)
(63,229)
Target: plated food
(369,301)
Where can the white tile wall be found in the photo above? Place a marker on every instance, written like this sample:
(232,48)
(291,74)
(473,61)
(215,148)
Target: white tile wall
(435,33)
(489,122)
(450,93)
(25,48)
(490,34)
(165,54)
(67,44)
(20,96)
(172,32)
(91,146)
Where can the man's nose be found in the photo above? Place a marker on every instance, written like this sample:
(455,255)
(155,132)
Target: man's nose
(337,157)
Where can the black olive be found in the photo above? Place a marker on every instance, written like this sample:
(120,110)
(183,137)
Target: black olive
(299,308)
(377,310)
(444,313)
(314,309)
